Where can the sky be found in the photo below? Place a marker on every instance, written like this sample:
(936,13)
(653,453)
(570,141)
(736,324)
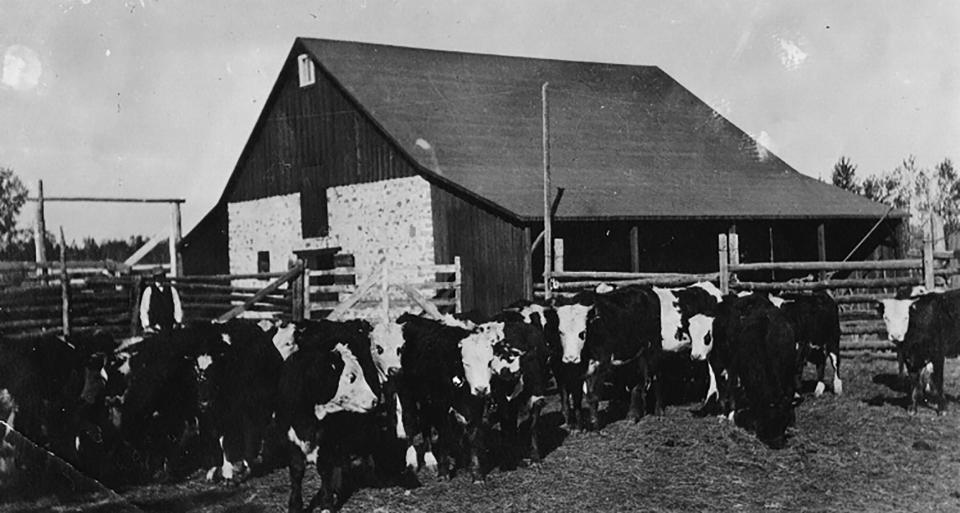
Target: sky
(156,98)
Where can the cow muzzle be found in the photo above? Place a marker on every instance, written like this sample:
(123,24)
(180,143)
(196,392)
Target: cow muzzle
(481,391)
(393,372)
(571,358)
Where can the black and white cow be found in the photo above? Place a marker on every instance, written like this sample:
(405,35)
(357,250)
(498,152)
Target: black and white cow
(933,334)
(47,388)
(754,352)
(896,316)
(613,336)
(446,375)
(686,324)
(327,393)
(815,319)
(520,373)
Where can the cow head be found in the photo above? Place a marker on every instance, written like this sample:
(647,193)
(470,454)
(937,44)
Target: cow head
(354,393)
(896,317)
(701,336)
(285,340)
(386,344)
(476,351)
(572,326)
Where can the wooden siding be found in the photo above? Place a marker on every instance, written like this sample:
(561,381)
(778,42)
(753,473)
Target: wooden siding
(309,139)
(206,249)
(491,250)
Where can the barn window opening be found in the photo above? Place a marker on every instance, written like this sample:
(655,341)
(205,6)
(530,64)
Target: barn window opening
(263,261)
(307,72)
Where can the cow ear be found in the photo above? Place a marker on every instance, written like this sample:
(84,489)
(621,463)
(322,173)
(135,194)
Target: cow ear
(879,307)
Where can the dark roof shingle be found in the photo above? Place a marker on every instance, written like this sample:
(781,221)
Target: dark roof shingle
(627,142)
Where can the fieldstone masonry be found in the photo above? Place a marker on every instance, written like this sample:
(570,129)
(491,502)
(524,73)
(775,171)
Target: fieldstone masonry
(389,219)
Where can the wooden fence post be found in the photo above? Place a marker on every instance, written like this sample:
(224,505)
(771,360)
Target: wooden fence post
(458,285)
(64,285)
(176,266)
(635,248)
(558,255)
(296,293)
(724,273)
(733,251)
(822,248)
(40,232)
(928,280)
(135,305)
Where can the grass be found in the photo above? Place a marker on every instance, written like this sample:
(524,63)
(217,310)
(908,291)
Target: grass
(858,452)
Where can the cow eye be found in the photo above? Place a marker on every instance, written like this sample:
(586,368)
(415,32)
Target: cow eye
(583,335)
(379,349)
(353,378)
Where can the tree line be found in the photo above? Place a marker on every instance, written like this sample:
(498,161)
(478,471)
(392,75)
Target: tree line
(910,187)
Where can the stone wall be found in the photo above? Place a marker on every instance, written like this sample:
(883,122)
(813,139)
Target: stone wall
(389,219)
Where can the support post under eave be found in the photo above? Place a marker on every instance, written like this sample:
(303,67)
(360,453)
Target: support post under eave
(634,249)
(547,222)
(39,232)
(527,265)
(64,285)
(822,248)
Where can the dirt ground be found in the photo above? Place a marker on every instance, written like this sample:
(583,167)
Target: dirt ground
(858,452)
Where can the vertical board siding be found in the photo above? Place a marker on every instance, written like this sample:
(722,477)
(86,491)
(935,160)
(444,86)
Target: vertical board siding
(491,250)
(309,139)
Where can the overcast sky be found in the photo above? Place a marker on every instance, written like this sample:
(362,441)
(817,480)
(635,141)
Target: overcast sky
(156,98)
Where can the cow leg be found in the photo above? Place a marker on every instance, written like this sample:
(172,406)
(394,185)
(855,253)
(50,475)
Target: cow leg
(938,385)
(297,468)
(576,405)
(638,393)
(916,392)
(331,478)
(837,382)
(590,386)
(445,447)
(536,406)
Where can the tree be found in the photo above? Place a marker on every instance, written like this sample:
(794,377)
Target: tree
(13,194)
(845,175)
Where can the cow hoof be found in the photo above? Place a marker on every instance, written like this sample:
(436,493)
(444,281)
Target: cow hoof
(211,474)
(837,387)
(818,391)
(430,462)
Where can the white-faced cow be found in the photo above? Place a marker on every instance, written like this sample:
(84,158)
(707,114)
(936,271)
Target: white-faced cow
(933,334)
(896,316)
(615,336)
(327,393)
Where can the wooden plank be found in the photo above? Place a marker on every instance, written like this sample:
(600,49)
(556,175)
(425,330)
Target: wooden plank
(430,268)
(458,279)
(635,248)
(867,345)
(664,281)
(144,250)
(333,289)
(614,275)
(336,271)
(296,294)
(829,266)
(429,308)
(860,298)
(822,248)
(292,273)
(109,200)
(829,284)
(372,281)
(724,271)
(64,285)
(229,277)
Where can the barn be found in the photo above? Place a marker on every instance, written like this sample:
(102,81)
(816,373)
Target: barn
(420,156)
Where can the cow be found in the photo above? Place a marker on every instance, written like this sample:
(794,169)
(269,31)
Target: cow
(613,335)
(518,384)
(238,396)
(895,313)
(755,354)
(327,395)
(815,319)
(446,375)
(686,323)
(153,395)
(47,386)
(933,333)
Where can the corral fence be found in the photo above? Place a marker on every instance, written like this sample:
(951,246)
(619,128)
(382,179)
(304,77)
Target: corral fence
(70,297)
(857,286)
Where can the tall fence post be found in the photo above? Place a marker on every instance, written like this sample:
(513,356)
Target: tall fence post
(733,252)
(39,232)
(458,287)
(176,266)
(724,272)
(64,285)
(822,248)
(558,255)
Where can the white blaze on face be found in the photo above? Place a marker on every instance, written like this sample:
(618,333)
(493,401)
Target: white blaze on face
(896,317)
(573,330)
(673,339)
(701,336)
(353,392)
(285,341)
(710,288)
(476,351)
(387,341)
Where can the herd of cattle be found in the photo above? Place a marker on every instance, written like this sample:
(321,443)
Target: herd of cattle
(245,396)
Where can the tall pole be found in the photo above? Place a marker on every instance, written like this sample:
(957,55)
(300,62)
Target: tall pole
(64,286)
(39,232)
(175,263)
(547,228)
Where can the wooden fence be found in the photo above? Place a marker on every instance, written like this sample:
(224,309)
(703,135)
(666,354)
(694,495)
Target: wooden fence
(856,286)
